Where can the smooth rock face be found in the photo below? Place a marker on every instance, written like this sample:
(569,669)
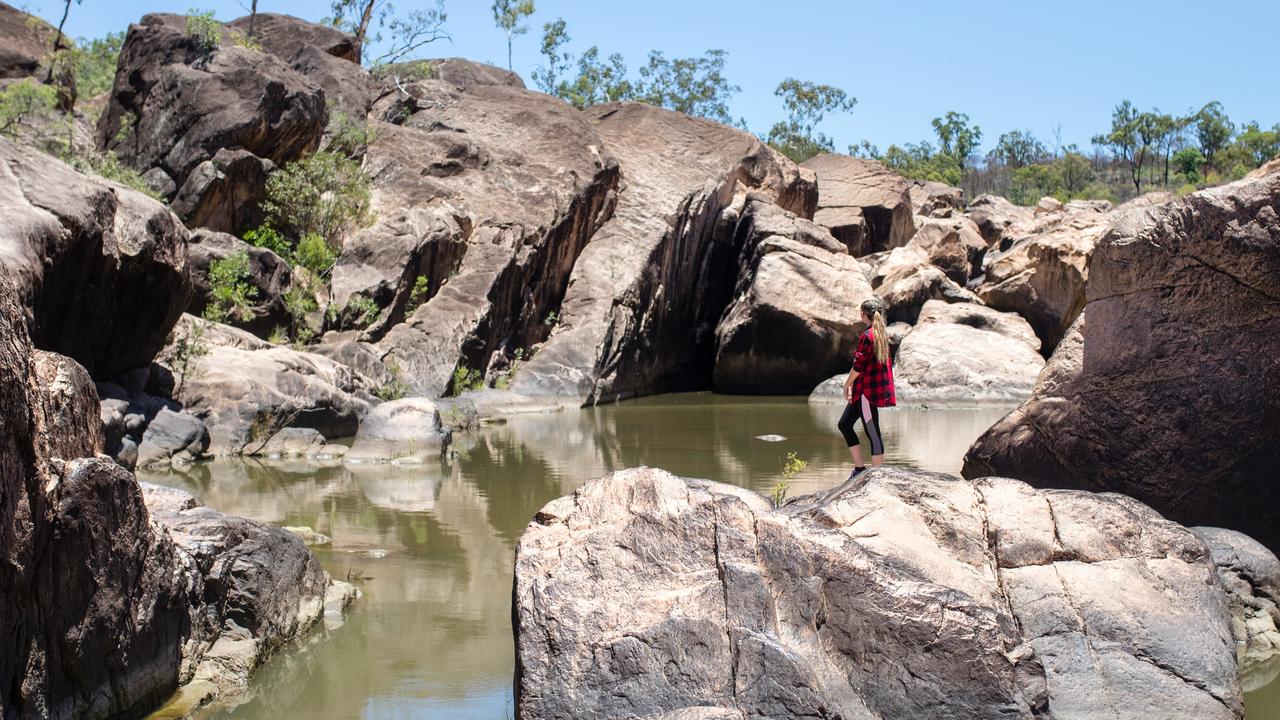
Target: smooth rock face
(102,269)
(407,430)
(1250,574)
(794,318)
(953,245)
(642,304)
(865,205)
(1000,221)
(902,595)
(460,71)
(1166,389)
(965,353)
(269,275)
(175,105)
(906,279)
(245,389)
(488,192)
(1042,276)
(172,437)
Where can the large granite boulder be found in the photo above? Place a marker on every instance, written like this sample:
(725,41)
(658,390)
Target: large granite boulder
(1250,575)
(866,205)
(794,318)
(1042,276)
(26,51)
(905,279)
(962,353)
(1001,222)
(902,594)
(953,245)
(642,304)
(935,200)
(102,269)
(225,192)
(176,103)
(460,71)
(484,196)
(404,431)
(245,389)
(1166,388)
(269,276)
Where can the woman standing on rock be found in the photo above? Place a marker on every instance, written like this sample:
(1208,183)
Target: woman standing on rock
(869,387)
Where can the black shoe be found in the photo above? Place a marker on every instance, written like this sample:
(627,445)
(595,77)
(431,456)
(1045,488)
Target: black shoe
(855,473)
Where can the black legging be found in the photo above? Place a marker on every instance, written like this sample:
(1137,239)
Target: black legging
(870,415)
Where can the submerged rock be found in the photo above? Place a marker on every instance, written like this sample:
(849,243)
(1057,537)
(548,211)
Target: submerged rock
(1168,387)
(903,594)
(407,430)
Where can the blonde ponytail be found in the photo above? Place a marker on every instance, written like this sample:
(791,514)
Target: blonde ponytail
(874,310)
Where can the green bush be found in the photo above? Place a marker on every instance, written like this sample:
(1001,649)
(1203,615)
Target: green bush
(300,302)
(349,137)
(418,295)
(264,236)
(314,254)
(464,379)
(395,387)
(204,30)
(231,295)
(95,64)
(23,102)
(325,194)
(367,310)
(107,165)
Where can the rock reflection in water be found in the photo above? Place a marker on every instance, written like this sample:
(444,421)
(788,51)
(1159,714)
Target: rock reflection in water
(431,545)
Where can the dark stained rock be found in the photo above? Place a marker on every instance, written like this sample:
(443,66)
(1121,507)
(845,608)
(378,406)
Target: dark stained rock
(172,437)
(175,104)
(487,194)
(224,192)
(902,594)
(101,268)
(641,307)
(1166,388)
(794,318)
(865,205)
(26,51)
(269,275)
(468,72)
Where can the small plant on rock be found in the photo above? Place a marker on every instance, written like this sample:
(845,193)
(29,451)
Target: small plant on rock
(265,236)
(186,349)
(231,295)
(418,295)
(325,193)
(23,102)
(349,137)
(792,465)
(367,310)
(464,379)
(300,302)
(204,30)
(551,319)
(314,254)
(395,387)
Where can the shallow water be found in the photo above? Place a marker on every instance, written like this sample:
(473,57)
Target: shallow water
(431,546)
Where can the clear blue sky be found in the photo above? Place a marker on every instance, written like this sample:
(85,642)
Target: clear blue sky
(1010,65)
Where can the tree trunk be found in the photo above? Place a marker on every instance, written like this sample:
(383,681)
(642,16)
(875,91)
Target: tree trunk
(57,39)
(363,29)
(253,17)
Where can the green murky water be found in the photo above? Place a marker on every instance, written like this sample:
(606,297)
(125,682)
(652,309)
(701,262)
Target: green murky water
(431,547)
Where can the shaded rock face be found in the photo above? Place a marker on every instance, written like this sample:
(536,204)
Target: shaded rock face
(906,279)
(269,275)
(175,105)
(245,389)
(865,205)
(1166,388)
(963,353)
(407,430)
(935,199)
(77,551)
(223,193)
(902,595)
(1042,276)
(488,193)
(102,269)
(1000,221)
(1250,575)
(953,245)
(642,304)
(795,315)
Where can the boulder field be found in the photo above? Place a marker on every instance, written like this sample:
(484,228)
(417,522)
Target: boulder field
(1167,388)
(900,594)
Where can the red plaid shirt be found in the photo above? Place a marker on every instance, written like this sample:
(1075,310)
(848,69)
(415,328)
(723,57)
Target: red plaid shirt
(875,379)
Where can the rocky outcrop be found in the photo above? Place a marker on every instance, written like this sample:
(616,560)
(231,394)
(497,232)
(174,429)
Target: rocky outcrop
(865,205)
(1250,575)
(176,104)
(26,51)
(935,200)
(460,71)
(245,389)
(101,269)
(1166,389)
(902,594)
(794,317)
(1001,222)
(962,354)
(172,438)
(905,280)
(224,193)
(403,431)
(953,245)
(484,195)
(641,307)
(1042,276)
(269,275)
(79,552)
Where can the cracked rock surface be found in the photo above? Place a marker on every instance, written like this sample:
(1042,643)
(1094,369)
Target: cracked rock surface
(904,594)
(1167,389)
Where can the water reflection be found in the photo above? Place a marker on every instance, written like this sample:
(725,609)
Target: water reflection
(431,545)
